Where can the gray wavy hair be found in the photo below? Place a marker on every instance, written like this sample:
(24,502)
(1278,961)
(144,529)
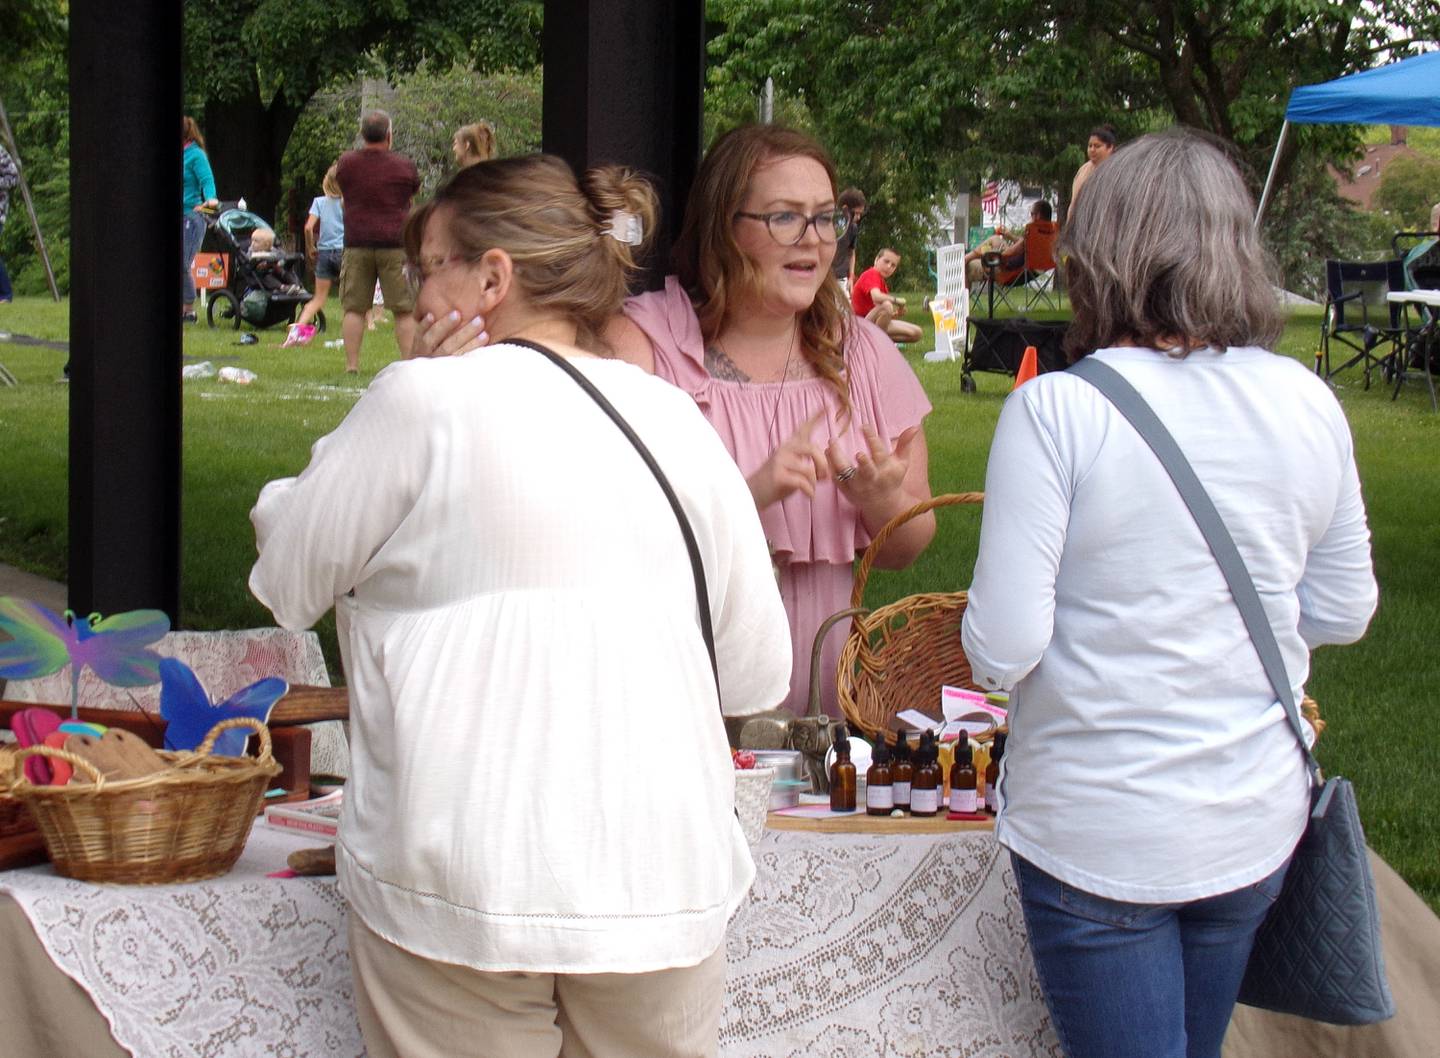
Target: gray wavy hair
(1162,253)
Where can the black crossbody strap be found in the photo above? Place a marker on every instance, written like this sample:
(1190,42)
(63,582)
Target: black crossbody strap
(696,566)
(1242,586)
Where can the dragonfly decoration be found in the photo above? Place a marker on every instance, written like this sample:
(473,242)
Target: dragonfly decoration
(115,648)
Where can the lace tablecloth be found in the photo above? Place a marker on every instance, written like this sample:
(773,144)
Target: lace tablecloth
(850,946)
(239,965)
(853,946)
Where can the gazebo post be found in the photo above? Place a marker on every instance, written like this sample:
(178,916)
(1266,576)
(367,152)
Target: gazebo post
(623,84)
(125,342)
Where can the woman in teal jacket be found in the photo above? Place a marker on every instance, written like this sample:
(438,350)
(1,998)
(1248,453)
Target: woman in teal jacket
(199,194)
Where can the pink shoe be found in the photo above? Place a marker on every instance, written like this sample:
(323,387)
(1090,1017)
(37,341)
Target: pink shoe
(292,337)
(307,333)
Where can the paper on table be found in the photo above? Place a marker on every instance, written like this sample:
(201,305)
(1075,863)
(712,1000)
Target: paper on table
(957,701)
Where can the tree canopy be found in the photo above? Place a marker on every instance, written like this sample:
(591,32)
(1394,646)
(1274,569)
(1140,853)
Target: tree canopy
(917,98)
(252,65)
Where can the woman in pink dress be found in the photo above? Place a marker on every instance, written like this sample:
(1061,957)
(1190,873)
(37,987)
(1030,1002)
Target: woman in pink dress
(819,409)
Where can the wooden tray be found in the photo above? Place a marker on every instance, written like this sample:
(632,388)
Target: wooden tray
(863,824)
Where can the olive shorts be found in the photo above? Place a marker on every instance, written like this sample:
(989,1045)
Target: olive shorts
(361,266)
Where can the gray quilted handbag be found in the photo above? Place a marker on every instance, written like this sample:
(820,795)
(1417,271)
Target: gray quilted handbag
(1318,953)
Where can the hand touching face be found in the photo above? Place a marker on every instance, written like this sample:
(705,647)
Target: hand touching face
(449,308)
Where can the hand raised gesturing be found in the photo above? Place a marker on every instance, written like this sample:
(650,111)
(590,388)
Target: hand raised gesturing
(796,465)
(873,478)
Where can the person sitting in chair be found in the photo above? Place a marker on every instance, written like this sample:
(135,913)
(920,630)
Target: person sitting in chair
(1039,235)
(872,299)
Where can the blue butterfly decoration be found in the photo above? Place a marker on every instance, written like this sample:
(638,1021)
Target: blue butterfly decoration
(186,705)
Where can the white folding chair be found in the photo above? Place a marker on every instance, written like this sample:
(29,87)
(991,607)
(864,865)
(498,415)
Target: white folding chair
(950,307)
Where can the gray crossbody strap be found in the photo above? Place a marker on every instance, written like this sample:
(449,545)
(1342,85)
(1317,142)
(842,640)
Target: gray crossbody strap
(1148,425)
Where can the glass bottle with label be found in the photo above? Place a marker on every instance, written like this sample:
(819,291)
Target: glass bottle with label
(879,782)
(962,778)
(925,790)
(902,772)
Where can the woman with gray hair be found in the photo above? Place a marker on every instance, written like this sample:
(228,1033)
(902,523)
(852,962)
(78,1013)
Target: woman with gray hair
(1152,792)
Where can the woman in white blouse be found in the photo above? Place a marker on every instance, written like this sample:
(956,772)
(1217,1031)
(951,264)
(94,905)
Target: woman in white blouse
(538,842)
(1152,790)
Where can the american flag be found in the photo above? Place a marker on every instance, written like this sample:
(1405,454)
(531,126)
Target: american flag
(990,200)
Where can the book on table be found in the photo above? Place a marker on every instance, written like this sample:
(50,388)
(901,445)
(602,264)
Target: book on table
(319,815)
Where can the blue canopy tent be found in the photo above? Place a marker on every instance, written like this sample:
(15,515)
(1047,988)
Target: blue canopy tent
(1403,93)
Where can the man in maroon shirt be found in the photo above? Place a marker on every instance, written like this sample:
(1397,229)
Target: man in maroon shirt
(377,185)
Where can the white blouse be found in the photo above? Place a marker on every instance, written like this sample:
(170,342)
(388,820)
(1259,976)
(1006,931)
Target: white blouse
(1149,760)
(541,780)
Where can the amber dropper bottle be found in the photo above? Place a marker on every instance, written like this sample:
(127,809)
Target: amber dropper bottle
(879,784)
(992,772)
(962,778)
(902,772)
(925,791)
(842,774)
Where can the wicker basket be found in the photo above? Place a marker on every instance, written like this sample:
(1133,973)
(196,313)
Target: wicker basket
(14,818)
(899,655)
(180,825)
(752,800)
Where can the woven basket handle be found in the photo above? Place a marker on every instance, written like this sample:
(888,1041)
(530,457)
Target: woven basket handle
(206,747)
(76,761)
(862,573)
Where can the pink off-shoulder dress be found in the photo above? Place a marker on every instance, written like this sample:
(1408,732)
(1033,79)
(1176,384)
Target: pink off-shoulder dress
(815,541)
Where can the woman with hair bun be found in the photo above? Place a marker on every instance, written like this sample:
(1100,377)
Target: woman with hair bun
(517,609)
(473,144)
(1153,789)
(818,408)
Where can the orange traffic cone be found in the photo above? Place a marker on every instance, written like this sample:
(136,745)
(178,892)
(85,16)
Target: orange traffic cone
(1029,367)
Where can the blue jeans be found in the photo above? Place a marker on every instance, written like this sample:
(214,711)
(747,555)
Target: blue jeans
(190,238)
(5,292)
(1128,980)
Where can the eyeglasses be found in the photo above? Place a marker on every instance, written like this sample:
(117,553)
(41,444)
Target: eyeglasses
(788,227)
(417,271)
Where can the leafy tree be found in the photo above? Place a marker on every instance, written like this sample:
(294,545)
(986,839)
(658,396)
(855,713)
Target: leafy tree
(252,65)
(427,107)
(34,86)
(922,96)
(1409,187)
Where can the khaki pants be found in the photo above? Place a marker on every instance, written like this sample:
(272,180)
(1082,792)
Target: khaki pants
(418,1008)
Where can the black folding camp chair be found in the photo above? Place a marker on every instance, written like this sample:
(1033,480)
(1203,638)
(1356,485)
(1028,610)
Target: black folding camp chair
(1359,317)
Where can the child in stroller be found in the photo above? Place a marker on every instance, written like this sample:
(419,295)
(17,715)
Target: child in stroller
(263,284)
(274,269)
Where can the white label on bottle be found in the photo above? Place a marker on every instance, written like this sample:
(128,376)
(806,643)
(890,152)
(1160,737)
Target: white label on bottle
(962,800)
(926,802)
(880,797)
(902,793)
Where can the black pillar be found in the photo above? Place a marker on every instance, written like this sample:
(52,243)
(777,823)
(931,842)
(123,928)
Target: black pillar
(623,84)
(125,99)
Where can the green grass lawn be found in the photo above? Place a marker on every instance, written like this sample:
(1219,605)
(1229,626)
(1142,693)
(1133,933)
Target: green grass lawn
(1378,696)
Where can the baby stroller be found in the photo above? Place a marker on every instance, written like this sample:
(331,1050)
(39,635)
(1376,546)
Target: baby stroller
(261,292)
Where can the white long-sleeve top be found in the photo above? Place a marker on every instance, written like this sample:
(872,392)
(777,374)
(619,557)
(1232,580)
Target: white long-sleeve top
(1149,759)
(540,777)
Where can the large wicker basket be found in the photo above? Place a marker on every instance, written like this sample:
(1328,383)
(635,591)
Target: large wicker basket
(183,824)
(898,656)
